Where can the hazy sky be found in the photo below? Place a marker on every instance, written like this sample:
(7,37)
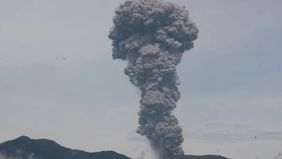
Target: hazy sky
(58,79)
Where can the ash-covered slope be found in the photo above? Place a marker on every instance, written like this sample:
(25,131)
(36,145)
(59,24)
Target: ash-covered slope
(27,148)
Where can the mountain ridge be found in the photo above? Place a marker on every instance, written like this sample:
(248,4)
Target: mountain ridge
(24,147)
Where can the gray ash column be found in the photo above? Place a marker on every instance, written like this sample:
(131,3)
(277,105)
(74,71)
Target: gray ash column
(152,36)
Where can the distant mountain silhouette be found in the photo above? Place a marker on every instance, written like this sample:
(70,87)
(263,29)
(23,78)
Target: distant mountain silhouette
(27,148)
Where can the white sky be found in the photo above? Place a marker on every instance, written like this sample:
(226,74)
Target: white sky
(58,80)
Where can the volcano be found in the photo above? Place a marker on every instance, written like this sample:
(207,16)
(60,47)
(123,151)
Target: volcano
(27,148)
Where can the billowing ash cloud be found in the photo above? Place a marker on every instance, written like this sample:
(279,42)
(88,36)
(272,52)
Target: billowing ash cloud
(152,35)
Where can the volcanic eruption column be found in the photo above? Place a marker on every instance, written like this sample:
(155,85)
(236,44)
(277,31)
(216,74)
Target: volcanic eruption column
(153,35)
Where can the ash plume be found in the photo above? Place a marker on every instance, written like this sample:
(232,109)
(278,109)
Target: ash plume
(152,36)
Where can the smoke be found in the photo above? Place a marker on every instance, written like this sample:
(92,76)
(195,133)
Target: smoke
(18,155)
(153,35)
(147,154)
